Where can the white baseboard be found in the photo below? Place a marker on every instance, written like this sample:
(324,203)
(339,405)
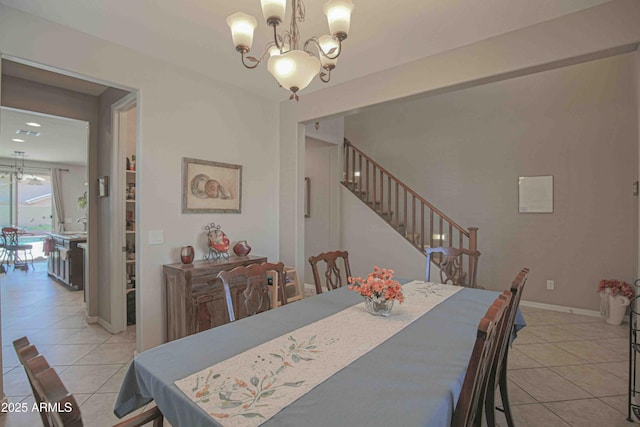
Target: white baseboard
(560,308)
(91,319)
(105,325)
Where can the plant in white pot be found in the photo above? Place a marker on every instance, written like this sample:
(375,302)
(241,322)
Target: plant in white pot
(615,297)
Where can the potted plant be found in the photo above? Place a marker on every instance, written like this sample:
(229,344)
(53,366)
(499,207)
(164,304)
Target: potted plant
(615,296)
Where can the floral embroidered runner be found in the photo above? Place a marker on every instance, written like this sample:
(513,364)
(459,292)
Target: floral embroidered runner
(251,387)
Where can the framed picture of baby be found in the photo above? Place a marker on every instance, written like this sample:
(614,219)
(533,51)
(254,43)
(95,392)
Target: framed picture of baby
(211,187)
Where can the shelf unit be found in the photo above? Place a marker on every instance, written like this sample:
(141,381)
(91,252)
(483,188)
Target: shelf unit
(130,242)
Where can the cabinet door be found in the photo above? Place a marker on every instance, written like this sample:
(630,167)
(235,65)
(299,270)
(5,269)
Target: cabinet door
(209,310)
(53,259)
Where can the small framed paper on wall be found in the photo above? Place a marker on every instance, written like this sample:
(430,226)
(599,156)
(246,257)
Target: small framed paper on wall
(535,194)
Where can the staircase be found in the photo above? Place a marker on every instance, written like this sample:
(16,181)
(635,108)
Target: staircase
(417,220)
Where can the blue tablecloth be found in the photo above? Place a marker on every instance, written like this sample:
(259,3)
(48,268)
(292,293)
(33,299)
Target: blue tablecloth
(412,379)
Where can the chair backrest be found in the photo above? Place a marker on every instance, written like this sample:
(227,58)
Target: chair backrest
(247,291)
(10,236)
(451,264)
(58,407)
(469,406)
(334,277)
(506,330)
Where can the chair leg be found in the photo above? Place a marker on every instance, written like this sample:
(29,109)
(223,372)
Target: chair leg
(504,394)
(490,405)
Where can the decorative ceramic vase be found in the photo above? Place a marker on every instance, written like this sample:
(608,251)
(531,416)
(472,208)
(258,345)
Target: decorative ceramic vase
(604,303)
(242,248)
(378,308)
(617,309)
(187,253)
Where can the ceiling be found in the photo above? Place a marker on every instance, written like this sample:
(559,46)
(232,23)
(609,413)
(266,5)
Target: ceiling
(384,34)
(61,140)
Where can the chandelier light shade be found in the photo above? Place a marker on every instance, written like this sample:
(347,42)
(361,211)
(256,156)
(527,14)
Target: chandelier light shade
(327,43)
(242,27)
(339,16)
(273,10)
(294,68)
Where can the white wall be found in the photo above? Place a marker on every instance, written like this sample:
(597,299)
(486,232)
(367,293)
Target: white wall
(371,241)
(464,151)
(320,165)
(182,114)
(611,28)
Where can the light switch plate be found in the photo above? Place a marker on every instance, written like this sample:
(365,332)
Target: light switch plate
(156,237)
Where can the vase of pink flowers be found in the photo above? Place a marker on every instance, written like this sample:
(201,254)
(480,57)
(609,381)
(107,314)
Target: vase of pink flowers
(615,297)
(379,290)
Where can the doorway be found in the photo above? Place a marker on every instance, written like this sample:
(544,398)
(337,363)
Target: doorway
(35,147)
(37,88)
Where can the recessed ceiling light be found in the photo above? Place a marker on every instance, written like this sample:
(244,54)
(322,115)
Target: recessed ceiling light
(17,140)
(34,124)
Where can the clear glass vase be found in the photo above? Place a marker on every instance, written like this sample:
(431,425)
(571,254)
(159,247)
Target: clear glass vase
(378,308)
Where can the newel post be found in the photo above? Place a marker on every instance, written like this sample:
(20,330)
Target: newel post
(473,246)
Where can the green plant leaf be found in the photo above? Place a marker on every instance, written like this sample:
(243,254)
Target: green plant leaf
(230,404)
(296,384)
(252,415)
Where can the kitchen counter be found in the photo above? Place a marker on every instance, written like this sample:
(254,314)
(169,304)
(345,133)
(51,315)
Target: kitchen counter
(66,260)
(69,235)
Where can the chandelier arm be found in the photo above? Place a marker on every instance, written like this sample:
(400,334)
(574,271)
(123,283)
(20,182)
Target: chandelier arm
(322,74)
(275,38)
(255,61)
(315,41)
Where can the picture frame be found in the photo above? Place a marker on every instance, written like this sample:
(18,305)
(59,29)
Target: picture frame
(535,194)
(103,186)
(211,187)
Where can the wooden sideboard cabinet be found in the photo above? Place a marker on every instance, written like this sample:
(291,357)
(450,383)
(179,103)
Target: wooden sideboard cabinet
(195,299)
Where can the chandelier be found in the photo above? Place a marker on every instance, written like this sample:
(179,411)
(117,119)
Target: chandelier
(292,67)
(18,168)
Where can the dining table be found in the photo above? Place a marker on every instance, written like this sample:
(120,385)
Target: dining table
(411,378)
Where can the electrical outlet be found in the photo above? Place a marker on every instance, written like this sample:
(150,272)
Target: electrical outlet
(550,285)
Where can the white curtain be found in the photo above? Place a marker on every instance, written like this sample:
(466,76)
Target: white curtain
(58,203)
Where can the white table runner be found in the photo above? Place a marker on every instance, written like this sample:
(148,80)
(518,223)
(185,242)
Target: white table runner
(251,387)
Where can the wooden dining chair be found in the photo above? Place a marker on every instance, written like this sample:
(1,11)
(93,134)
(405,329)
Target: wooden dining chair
(468,410)
(451,264)
(498,374)
(246,289)
(334,277)
(59,407)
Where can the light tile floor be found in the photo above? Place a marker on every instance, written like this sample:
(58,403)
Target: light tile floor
(90,360)
(568,370)
(564,369)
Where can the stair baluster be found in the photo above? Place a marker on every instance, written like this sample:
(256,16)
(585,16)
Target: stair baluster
(396,211)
